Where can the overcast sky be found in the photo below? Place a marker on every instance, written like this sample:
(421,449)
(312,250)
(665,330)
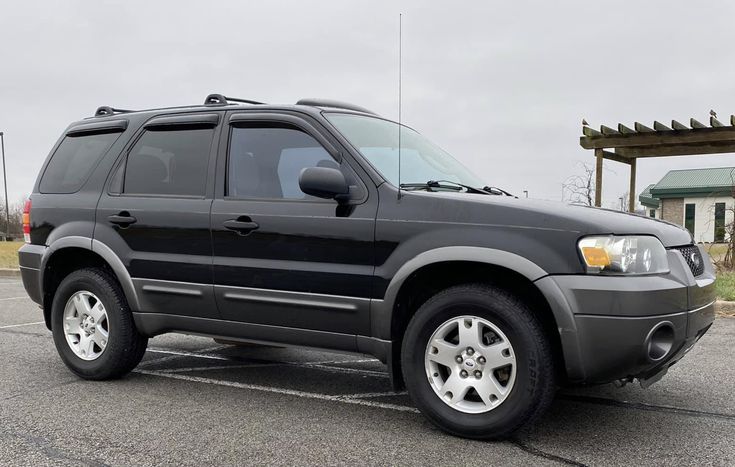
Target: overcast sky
(502,86)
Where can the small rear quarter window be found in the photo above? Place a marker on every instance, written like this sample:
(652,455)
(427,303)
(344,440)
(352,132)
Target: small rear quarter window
(74,160)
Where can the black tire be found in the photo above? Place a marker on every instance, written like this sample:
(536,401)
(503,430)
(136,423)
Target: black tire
(535,384)
(125,346)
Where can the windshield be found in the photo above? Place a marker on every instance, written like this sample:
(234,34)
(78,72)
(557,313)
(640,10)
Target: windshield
(421,160)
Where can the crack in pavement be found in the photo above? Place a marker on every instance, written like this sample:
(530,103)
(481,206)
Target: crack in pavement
(25,333)
(643,406)
(534,451)
(39,390)
(44,446)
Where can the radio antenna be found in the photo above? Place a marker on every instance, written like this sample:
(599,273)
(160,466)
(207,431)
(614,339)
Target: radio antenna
(400,129)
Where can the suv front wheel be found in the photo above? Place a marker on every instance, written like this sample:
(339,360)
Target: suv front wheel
(93,327)
(477,363)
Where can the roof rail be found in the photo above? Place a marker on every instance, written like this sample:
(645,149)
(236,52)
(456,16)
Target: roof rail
(334,104)
(219,99)
(106,110)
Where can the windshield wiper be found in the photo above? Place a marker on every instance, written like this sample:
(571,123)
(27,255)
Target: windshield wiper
(497,191)
(445,184)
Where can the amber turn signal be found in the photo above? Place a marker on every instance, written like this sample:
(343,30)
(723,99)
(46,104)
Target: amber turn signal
(595,256)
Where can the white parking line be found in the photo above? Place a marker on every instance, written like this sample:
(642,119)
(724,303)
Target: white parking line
(368,395)
(317,365)
(187,354)
(172,355)
(266,364)
(22,324)
(177,354)
(339,369)
(357,360)
(12,298)
(288,392)
(219,367)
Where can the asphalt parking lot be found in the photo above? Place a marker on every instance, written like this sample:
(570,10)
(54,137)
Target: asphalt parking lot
(193,401)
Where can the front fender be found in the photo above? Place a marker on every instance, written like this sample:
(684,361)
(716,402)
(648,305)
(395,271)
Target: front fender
(381,311)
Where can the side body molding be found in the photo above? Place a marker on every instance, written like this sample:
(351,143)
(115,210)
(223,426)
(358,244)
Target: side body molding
(381,310)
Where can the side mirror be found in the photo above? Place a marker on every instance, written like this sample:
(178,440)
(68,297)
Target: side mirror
(324,182)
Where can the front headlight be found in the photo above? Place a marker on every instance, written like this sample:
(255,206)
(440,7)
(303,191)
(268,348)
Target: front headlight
(629,254)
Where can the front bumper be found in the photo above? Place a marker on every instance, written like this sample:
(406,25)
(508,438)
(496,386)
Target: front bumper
(630,327)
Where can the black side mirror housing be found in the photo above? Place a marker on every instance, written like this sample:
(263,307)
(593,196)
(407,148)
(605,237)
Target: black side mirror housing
(324,182)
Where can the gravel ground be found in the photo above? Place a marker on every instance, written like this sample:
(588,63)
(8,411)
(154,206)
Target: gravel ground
(193,401)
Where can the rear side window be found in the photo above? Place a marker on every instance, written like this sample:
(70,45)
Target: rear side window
(74,160)
(169,162)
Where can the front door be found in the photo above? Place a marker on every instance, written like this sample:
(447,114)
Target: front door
(282,258)
(155,215)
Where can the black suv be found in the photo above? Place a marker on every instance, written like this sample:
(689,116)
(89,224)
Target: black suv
(322,224)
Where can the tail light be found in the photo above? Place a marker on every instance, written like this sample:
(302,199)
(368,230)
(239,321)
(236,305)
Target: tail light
(27,221)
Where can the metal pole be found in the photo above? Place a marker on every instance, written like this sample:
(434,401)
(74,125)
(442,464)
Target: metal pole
(400,83)
(5,183)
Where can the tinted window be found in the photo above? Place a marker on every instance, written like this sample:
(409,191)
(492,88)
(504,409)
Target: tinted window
(73,161)
(719,222)
(172,162)
(265,162)
(689,217)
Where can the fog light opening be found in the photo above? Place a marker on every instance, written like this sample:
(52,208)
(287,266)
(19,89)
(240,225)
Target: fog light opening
(660,341)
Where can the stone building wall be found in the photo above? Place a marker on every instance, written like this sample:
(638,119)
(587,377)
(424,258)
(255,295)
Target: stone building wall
(672,210)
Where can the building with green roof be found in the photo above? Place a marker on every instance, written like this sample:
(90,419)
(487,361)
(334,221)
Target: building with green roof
(651,204)
(699,199)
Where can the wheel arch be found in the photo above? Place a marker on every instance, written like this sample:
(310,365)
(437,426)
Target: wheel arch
(72,253)
(435,270)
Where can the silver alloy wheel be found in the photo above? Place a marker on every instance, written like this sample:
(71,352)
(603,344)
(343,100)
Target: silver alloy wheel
(86,326)
(470,364)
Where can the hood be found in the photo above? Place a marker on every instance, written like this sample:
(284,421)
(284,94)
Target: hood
(585,220)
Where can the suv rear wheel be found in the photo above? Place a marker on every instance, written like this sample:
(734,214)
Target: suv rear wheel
(93,328)
(477,363)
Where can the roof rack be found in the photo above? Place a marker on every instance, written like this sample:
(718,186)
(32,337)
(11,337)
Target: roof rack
(106,110)
(219,99)
(334,105)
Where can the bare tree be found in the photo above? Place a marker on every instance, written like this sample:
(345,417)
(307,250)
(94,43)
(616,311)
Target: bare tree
(625,203)
(16,219)
(726,261)
(580,188)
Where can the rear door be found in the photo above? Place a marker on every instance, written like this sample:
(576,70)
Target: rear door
(298,262)
(154,214)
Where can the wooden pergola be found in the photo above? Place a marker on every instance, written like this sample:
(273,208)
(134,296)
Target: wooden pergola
(626,145)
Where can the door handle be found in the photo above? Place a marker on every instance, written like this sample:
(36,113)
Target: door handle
(243,225)
(123,219)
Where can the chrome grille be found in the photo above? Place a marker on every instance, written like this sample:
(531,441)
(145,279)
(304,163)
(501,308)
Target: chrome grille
(693,258)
